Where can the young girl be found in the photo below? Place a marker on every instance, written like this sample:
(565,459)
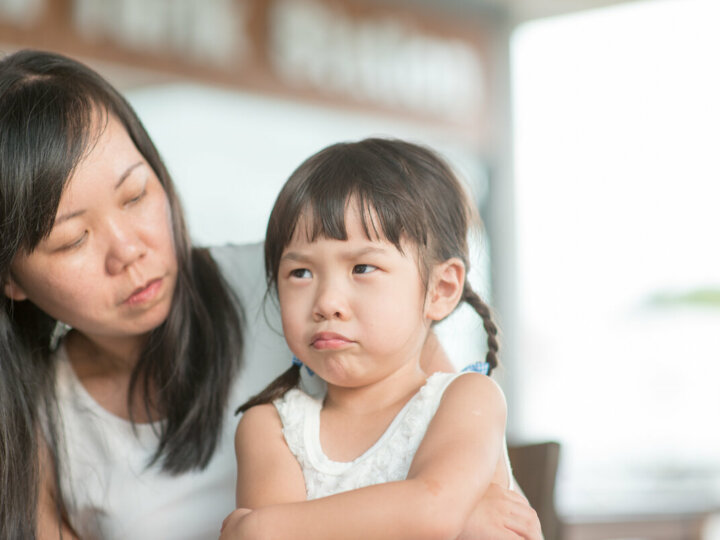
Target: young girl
(367,249)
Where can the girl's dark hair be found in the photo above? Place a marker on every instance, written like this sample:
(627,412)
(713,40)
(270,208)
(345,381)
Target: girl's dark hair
(48,107)
(404,191)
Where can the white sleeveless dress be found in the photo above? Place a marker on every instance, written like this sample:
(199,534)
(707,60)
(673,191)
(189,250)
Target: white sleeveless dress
(387,460)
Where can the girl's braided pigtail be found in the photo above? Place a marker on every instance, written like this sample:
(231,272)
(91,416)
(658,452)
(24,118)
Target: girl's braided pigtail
(472,298)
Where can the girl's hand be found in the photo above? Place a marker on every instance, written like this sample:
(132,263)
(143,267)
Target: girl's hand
(231,527)
(502,514)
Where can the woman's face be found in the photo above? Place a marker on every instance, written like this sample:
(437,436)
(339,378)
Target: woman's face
(108,267)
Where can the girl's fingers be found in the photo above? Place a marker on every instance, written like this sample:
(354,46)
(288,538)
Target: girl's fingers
(503,515)
(523,520)
(515,496)
(516,514)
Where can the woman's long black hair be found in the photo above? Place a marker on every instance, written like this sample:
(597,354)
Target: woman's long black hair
(47,107)
(414,195)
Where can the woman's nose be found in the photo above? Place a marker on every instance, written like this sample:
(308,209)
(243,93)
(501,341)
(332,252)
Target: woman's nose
(331,303)
(124,245)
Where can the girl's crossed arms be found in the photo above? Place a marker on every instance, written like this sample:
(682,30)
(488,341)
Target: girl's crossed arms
(459,456)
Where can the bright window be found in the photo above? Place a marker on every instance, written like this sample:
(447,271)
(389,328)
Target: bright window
(617,126)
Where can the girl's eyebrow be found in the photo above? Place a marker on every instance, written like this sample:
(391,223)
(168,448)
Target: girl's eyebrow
(292,256)
(369,250)
(123,177)
(355,254)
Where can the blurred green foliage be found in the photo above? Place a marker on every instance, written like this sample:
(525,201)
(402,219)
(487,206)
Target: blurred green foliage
(692,298)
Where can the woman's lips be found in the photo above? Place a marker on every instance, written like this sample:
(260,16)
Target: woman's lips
(145,293)
(329,340)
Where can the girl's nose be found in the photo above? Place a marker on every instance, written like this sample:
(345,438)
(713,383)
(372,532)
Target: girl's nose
(124,246)
(330,303)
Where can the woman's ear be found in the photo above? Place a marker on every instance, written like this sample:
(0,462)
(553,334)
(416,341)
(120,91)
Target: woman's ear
(14,291)
(445,289)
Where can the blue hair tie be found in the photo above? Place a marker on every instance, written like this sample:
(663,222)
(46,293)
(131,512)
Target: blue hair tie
(297,362)
(478,367)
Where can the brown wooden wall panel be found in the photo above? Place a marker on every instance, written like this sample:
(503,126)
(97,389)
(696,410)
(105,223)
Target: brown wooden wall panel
(397,60)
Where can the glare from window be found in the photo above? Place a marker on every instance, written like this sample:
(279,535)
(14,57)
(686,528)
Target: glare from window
(617,124)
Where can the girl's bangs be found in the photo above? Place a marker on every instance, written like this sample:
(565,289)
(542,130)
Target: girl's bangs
(326,219)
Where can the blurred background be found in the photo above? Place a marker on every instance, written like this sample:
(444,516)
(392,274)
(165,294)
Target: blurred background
(586,131)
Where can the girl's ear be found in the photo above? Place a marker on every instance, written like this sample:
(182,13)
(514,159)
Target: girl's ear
(14,291)
(444,289)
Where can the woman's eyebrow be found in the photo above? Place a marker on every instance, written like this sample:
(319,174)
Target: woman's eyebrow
(65,217)
(127,172)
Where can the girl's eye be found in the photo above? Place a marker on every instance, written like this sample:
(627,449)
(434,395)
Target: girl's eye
(74,244)
(364,268)
(301,273)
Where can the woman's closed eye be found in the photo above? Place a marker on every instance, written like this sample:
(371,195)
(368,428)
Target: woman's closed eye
(136,198)
(364,268)
(73,244)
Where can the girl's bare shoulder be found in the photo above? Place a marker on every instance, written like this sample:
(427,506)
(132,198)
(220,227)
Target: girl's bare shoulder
(259,421)
(477,391)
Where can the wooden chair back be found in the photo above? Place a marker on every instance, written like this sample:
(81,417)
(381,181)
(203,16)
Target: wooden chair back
(535,469)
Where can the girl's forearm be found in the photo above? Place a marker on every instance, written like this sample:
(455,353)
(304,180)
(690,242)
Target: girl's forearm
(411,509)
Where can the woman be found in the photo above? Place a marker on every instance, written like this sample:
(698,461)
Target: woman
(120,428)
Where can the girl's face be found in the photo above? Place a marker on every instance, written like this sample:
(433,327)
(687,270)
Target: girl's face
(108,267)
(353,310)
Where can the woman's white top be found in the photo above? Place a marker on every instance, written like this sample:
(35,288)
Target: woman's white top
(388,460)
(110,491)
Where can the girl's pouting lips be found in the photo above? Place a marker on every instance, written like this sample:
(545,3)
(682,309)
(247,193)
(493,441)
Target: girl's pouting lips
(329,340)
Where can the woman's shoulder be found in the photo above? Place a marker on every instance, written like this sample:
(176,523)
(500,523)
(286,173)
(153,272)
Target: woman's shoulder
(243,267)
(245,259)
(238,252)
